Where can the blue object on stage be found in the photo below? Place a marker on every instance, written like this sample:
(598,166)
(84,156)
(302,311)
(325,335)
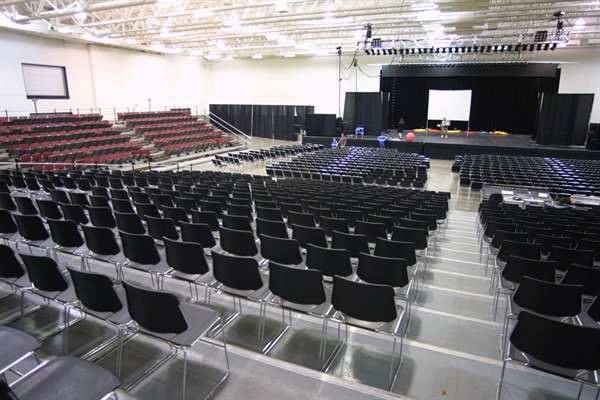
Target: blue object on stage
(360,130)
(381,139)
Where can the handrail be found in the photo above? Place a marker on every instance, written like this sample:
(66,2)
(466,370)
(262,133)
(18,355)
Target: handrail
(226,126)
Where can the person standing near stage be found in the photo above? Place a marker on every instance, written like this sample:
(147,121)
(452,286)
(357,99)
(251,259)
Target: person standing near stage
(400,127)
(444,125)
(342,141)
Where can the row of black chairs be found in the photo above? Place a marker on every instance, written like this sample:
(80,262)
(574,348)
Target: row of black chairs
(559,176)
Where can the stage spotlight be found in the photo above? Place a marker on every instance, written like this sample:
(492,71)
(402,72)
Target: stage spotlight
(420,50)
(437,51)
(553,46)
(412,51)
(546,46)
(444,50)
(395,51)
(469,49)
(539,47)
(462,49)
(495,48)
(531,47)
(378,52)
(489,48)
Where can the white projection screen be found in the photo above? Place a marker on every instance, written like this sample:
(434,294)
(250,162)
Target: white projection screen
(454,105)
(45,81)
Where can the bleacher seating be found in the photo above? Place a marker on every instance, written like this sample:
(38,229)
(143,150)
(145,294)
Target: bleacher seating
(60,139)
(175,131)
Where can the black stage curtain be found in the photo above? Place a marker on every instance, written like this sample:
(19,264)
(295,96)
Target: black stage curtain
(506,103)
(363,109)
(270,121)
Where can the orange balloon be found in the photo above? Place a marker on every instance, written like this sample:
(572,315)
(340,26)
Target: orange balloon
(410,136)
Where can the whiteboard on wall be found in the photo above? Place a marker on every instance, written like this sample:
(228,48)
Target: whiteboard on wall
(453,105)
(45,81)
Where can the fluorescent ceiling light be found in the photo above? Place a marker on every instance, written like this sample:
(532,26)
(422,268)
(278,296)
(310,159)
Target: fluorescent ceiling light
(202,13)
(580,23)
(424,6)
(257,56)
(213,56)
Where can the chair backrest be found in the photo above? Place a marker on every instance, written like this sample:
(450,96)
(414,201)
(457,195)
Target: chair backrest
(547,241)
(354,243)
(7,202)
(10,267)
(147,209)
(95,291)
(101,240)
(517,267)
(329,224)
(79,198)
(364,301)
(589,244)
(74,212)
(129,222)
(154,311)
(273,214)
(301,286)
(25,205)
(276,227)
(588,277)
(122,206)
(557,343)
(59,196)
(235,241)
(7,223)
(241,210)
(417,236)
(382,270)
(197,233)
(329,261)
(238,222)
(373,230)
(237,272)
(551,299)
(206,217)
(139,248)
(308,234)
(102,216)
(31,227)
(393,248)
(65,232)
(43,272)
(176,214)
(186,257)
(565,256)
(284,251)
(49,209)
(160,228)
(594,309)
(521,249)
(300,218)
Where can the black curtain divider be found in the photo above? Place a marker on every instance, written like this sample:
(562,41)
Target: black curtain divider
(506,103)
(270,121)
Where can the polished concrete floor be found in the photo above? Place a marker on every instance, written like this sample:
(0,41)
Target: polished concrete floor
(451,350)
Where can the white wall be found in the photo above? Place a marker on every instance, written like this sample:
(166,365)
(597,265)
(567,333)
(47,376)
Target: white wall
(101,77)
(300,81)
(580,73)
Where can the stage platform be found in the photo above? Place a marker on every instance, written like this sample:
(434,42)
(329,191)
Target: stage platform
(434,146)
